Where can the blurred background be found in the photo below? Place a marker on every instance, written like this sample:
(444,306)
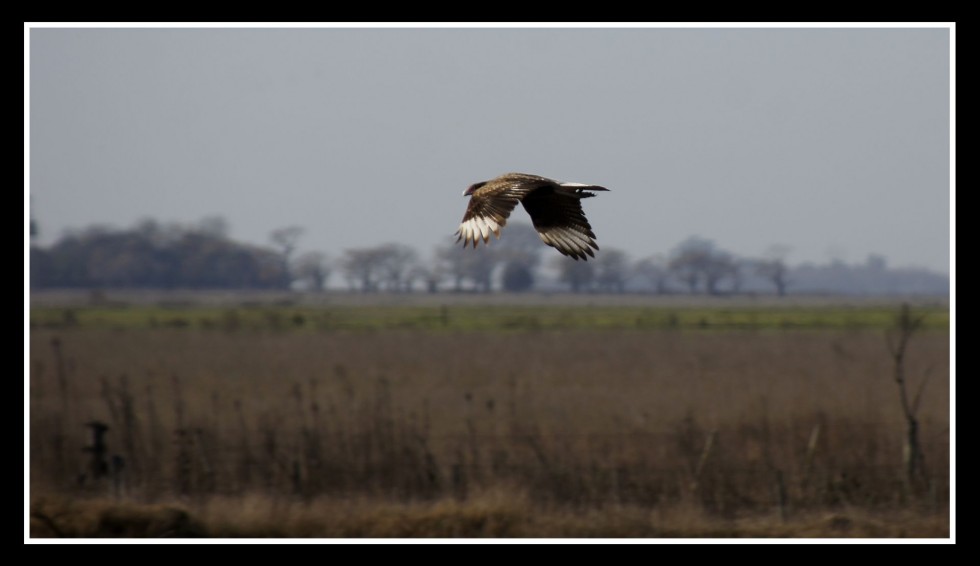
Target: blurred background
(738,159)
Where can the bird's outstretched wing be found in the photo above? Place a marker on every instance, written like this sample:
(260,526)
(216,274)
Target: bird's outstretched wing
(487,212)
(557,215)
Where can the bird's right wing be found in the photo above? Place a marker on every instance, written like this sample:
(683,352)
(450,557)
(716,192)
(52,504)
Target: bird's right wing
(487,213)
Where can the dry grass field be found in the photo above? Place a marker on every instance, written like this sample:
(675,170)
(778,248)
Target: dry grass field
(536,424)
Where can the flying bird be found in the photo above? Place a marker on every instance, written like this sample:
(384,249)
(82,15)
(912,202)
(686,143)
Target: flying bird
(555,209)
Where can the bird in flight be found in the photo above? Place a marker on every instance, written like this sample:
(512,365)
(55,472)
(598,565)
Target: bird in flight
(554,207)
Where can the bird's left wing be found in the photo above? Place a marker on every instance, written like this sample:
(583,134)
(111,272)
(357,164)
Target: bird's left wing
(558,217)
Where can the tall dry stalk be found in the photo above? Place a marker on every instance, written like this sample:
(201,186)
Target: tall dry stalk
(811,451)
(709,444)
(898,339)
(59,438)
(182,440)
(153,471)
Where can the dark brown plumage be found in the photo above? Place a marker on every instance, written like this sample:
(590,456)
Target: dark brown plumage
(555,209)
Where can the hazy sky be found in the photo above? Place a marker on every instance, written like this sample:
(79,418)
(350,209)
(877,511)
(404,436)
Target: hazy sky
(834,142)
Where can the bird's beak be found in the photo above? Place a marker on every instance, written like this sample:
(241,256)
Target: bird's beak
(473,188)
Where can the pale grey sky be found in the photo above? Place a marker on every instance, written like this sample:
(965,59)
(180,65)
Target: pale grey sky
(834,142)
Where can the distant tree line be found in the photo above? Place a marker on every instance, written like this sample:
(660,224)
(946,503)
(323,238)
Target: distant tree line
(152,255)
(202,256)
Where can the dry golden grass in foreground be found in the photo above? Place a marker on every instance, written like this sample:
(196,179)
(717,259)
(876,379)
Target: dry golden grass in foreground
(496,514)
(409,433)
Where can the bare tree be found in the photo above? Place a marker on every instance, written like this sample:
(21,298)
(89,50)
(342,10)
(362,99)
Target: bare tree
(612,270)
(716,267)
(361,267)
(428,274)
(450,261)
(520,253)
(697,260)
(392,266)
(655,270)
(479,268)
(286,239)
(313,268)
(688,260)
(773,267)
(461,264)
(686,270)
(579,275)
(520,243)
(775,271)
(396,262)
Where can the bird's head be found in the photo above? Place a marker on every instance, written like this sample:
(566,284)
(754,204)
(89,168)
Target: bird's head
(473,188)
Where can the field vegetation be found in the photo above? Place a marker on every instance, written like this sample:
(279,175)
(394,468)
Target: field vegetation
(287,420)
